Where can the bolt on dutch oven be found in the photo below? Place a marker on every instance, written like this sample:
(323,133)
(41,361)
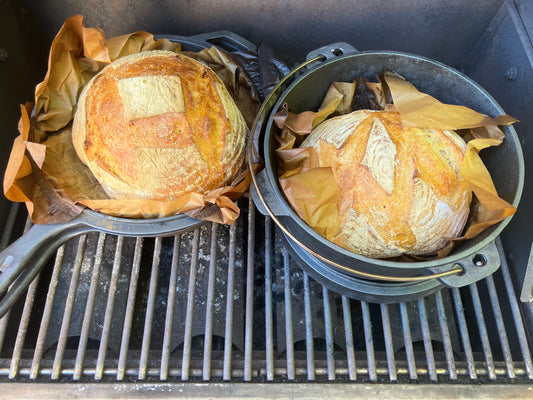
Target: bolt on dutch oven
(354,275)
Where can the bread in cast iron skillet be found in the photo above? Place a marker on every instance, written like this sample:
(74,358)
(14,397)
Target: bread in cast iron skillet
(157,124)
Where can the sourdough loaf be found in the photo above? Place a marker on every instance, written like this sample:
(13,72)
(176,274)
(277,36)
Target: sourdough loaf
(400,191)
(156,125)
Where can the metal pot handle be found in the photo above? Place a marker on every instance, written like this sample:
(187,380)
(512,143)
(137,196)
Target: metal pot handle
(22,260)
(266,108)
(332,51)
(226,40)
(476,267)
(268,196)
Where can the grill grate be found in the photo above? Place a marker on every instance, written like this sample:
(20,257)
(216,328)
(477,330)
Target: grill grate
(222,303)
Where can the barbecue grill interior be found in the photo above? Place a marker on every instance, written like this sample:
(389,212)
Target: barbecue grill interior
(230,305)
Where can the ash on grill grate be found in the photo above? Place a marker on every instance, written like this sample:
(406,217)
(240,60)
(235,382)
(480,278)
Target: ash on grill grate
(102,278)
(316,299)
(230,303)
(301,325)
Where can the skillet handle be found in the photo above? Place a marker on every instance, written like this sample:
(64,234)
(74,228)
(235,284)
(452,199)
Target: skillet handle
(226,40)
(22,260)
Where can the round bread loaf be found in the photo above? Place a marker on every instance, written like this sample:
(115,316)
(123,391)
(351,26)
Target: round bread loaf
(156,125)
(400,191)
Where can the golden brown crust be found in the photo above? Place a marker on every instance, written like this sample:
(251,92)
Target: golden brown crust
(399,189)
(158,124)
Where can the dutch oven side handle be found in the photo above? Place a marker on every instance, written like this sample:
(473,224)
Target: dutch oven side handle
(477,266)
(332,51)
(22,260)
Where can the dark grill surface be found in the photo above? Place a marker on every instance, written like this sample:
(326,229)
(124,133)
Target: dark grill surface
(225,303)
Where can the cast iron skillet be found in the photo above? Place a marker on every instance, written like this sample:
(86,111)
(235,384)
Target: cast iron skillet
(304,90)
(24,258)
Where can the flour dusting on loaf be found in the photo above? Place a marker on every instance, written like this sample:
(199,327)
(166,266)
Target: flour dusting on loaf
(399,188)
(158,124)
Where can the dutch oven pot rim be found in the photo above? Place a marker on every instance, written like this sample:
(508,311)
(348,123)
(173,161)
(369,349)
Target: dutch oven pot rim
(330,53)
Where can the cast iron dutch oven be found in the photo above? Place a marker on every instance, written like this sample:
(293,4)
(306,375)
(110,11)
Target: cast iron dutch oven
(24,258)
(356,276)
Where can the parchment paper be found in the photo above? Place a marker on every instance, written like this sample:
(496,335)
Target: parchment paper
(43,169)
(312,192)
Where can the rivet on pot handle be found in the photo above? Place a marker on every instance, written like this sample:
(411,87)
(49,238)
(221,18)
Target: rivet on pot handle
(332,51)
(476,267)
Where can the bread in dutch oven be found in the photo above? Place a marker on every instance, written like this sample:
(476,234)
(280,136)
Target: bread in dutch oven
(400,191)
(157,124)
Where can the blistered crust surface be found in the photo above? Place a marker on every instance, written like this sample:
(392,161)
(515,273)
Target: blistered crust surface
(399,188)
(156,125)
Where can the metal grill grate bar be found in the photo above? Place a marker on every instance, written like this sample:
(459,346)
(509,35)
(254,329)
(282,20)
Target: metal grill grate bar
(4,242)
(3,328)
(467,348)
(269,317)
(24,320)
(515,309)
(209,304)
(106,330)
(389,346)
(309,340)
(23,328)
(289,349)
(482,330)
(502,334)
(446,340)
(196,371)
(169,316)
(128,317)
(89,308)
(426,334)
(187,339)
(408,342)
(348,332)
(10,225)
(150,305)
(330,356)
(249,314)
(69,306)
(228,330)
(6,237)
(369,341)
(45,320)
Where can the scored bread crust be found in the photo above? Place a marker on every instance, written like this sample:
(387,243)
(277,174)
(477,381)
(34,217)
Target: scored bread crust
(158,124)
(400,190)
